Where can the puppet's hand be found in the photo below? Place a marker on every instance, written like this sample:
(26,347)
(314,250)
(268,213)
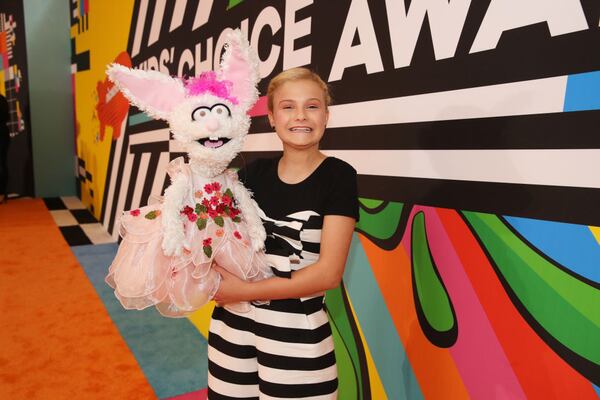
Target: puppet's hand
(173,242)
(257,237)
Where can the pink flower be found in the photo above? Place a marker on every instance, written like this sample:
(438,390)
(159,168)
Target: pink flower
(207,242)
(208,188)
(226,200)
(192,217)
(208,82)
(206,203)
(221,209)
(212,213)
(214,201)
(237,235)
(219,232)
(135,212)
(216,186)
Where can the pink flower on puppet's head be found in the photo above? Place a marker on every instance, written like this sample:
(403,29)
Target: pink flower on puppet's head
(207,82)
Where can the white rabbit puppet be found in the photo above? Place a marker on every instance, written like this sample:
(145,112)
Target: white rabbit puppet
(206,215)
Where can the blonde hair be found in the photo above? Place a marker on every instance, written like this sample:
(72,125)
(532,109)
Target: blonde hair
(296,74)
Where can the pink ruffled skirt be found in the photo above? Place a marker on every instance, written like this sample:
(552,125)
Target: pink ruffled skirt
(142,276)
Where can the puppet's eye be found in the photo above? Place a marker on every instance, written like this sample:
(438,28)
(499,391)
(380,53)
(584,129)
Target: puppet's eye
(200,113)
(220,110)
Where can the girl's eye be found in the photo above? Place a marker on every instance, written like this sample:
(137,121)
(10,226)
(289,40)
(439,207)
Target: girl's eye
(200,113)
(220,110)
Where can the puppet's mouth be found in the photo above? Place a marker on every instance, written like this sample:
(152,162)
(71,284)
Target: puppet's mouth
(213,143)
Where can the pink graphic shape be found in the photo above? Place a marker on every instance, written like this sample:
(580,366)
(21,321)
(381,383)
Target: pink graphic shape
(479,356)
(260,108)
(198,395)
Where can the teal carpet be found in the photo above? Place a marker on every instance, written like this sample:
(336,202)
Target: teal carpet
(171,352)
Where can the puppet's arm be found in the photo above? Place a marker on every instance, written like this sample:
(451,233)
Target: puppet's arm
(173,233)
(249,210)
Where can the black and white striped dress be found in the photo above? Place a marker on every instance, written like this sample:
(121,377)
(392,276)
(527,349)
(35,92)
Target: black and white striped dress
(284,349)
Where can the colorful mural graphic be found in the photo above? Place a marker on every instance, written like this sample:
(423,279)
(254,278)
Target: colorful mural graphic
(473,271)
(489,292)
(112,106)
(14,86)
(10,74)
(98,37)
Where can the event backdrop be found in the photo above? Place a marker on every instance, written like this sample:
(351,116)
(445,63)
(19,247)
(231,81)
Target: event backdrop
(13,86)
(475,268)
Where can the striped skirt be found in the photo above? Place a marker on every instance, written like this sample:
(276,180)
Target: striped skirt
(283,350)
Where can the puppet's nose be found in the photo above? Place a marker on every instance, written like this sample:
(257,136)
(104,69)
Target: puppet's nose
(212,124)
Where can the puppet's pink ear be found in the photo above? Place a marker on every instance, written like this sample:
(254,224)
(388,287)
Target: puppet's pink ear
(240,66)
(151,91)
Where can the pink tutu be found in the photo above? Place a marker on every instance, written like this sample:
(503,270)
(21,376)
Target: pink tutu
(143,276)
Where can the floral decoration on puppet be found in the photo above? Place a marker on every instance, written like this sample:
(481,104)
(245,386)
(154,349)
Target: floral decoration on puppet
(206,214)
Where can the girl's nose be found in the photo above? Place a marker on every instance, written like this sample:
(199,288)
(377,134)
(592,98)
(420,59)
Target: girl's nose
(300,115)
(212,124)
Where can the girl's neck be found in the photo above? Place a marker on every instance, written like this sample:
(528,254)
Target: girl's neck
(296,165)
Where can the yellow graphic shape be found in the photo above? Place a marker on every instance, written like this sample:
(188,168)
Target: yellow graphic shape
(105,38)
(201,318)
(377,391)
(596,232)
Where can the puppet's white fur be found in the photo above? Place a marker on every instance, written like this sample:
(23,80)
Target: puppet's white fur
(205,162)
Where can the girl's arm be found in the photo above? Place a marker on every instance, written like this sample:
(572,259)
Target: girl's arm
(325,274)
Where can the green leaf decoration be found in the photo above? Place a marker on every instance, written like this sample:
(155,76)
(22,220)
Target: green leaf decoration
(207,251)
(237,219)
(200,208)
(229,193)
(201,223)
(151,215)
(219,221)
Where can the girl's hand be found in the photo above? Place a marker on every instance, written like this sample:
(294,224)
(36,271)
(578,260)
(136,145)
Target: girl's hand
(231,289)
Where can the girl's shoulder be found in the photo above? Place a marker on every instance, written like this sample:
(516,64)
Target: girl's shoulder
(337,168)
(338,164)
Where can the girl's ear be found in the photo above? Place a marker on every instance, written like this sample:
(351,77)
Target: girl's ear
(239,66)
(271,119)
(154,93)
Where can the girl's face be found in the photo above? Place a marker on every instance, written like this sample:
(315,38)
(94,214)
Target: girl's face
(299,113)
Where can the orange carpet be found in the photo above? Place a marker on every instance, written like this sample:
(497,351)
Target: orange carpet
(56,339)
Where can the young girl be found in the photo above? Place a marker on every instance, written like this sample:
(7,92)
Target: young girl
(309,208)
